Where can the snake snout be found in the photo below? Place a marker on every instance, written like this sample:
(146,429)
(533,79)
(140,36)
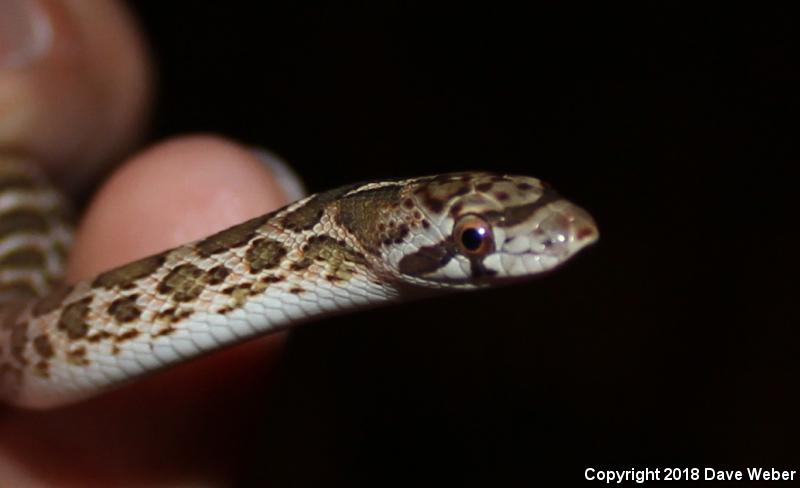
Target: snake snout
(567,230)
(581,226)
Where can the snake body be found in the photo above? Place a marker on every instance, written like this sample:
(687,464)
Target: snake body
(332,252)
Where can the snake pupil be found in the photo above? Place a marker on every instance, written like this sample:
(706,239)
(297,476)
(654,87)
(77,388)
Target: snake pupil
(472,238)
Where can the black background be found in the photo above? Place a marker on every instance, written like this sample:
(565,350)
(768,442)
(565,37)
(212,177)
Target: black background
(672,342)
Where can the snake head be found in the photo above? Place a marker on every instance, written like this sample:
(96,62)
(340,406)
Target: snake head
(486,228)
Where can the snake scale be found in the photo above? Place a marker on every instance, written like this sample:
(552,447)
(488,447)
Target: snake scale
(332,252)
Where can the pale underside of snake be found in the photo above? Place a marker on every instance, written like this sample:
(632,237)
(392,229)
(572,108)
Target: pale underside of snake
(332,252)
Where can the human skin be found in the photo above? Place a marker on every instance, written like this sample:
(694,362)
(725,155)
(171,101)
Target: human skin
(182,427)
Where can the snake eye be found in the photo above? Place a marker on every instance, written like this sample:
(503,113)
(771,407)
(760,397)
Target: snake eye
(473,236)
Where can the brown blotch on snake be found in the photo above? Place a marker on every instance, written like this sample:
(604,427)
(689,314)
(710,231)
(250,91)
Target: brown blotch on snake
(98,336)
(126,276)
(300,265)
(23,258)
(235,236)
(402,232)
(217,275)
(435,194)
(339,259)
(124,309)
(172,315)
(169,315)
(73,318)
(236,288)
(43,346)
(23,220)
(77,356)
(484,187)
(426,260)
(164,332)
(239,294)
(127,335)
(307,215)
(183,284)
(264,254)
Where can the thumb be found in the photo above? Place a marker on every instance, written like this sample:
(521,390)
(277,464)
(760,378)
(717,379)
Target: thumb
(74,82)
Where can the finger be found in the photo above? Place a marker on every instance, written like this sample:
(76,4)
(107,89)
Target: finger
(177,191)
(174,193)
(74,83)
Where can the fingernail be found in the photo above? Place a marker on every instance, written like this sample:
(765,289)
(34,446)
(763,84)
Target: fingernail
(25,33)
(288,180)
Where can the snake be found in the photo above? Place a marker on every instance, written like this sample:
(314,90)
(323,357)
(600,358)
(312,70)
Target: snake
(334,252)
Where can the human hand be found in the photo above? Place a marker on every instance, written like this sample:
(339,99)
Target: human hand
(74,88)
